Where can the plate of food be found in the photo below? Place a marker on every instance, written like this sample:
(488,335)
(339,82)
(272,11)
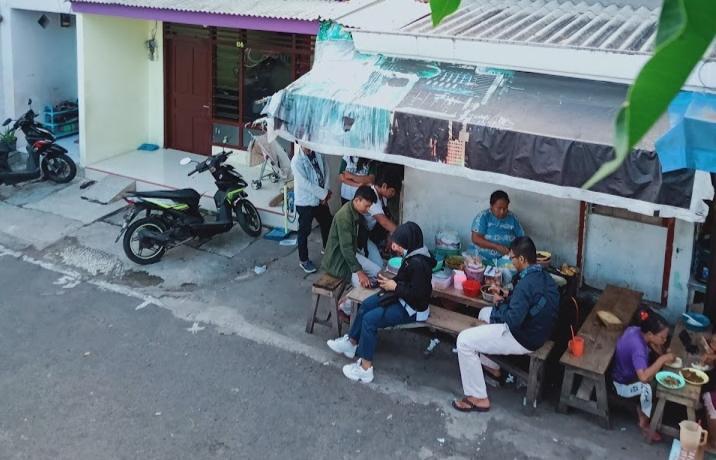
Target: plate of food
(677,363)
(694,376)
(670,380)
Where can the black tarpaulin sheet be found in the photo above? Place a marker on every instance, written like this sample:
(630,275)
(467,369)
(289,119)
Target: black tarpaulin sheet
(547,129)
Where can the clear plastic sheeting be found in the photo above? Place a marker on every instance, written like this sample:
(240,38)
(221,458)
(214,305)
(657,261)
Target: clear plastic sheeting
(536,132)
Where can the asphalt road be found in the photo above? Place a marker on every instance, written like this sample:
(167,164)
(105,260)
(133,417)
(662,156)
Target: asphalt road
(86,376)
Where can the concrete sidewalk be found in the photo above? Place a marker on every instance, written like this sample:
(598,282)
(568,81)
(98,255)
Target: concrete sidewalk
(215,286)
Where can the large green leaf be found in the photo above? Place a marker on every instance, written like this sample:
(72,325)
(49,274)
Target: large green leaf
(439,9)
(686,29)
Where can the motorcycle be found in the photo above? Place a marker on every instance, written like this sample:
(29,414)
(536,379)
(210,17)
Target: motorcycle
(172,217)
(46,159)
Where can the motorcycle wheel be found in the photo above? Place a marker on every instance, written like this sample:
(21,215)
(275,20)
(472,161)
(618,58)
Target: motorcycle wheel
(134,246)
(249,218)
(60,169)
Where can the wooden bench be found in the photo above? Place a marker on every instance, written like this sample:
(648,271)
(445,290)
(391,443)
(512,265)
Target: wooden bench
(453,323)
(532,377)
(588,371)
(331,288)
(440,319)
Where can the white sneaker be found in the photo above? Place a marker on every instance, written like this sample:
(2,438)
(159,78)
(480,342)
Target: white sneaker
(356,372)
(344,346)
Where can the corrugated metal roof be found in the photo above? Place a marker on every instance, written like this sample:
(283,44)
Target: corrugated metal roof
(578,25)
(309,10)
(386,15)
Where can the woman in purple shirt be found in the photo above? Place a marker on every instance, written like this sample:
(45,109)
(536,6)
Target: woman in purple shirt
(632,373)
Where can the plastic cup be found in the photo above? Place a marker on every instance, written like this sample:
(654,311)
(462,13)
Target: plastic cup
(576,346)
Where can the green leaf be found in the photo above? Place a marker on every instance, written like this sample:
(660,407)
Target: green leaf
(686,29)
(672,21)
(439,9)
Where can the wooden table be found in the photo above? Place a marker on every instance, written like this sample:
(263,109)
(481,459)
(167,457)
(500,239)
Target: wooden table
(459,296)
(599,346)
(453,294)
(690,395)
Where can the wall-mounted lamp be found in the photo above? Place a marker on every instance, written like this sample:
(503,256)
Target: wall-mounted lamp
(65,20)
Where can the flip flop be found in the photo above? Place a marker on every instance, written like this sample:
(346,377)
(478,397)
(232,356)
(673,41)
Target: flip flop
(471,406)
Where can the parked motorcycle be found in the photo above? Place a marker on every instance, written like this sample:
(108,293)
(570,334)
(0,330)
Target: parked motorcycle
(172,217)
(46,159)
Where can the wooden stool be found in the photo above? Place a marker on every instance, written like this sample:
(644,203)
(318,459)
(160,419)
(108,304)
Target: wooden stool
(687,397)
(591,394)
(331,287)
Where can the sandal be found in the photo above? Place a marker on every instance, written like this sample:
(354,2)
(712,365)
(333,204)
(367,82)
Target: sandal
(471,407)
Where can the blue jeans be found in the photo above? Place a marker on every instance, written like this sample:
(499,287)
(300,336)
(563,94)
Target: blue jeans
(371,317)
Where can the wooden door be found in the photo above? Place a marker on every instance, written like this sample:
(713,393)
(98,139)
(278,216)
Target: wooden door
(189,71)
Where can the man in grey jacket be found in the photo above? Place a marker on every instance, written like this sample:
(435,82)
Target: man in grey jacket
(310,188)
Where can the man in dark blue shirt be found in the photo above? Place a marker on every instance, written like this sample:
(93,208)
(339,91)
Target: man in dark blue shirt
(518,325)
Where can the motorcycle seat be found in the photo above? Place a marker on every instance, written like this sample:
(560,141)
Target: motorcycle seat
(185,195)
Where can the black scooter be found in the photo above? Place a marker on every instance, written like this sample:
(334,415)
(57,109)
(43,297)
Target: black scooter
(45,159)
(172,217)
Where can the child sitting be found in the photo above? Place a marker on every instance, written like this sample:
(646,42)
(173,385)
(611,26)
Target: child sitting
(632,373)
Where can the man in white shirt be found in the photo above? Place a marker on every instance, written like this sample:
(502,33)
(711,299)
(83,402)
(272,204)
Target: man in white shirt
(311,192)
(378,221)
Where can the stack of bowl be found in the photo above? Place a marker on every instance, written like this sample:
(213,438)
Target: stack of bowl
(544,258)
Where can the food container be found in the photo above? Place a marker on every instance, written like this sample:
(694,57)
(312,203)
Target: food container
(471,288)
(476,273)
(394,265)
(448,240)
(492,275)
(442,279)
(455,262)
(458,278)
(487,295)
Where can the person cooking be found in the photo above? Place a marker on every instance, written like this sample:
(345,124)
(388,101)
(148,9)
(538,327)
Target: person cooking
(494,229)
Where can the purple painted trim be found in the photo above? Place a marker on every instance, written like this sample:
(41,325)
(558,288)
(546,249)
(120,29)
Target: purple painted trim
(296,26)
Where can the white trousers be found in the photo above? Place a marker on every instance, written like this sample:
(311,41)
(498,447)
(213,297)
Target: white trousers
(474,343)
(372,265)
(641,389)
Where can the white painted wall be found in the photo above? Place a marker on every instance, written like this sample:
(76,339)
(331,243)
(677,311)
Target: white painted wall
(631,254)
(10,50)
(121,90)
(437,201)
(155,88)
(44,61)
(617,251)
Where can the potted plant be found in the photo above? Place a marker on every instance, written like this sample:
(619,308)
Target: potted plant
(8,141)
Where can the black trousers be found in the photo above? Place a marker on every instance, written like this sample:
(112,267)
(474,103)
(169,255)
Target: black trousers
(306,214)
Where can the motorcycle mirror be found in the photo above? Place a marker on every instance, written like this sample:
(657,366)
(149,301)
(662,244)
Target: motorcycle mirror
(185,161)
(7,122)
